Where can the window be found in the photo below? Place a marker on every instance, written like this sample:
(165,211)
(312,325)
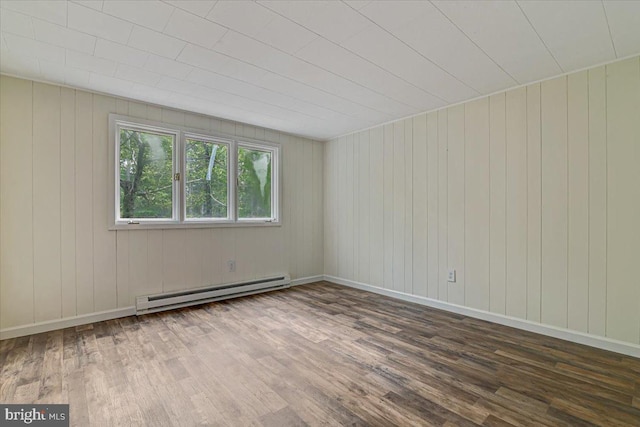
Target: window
(206,179)
(146,162)
(254,182)
(173,176)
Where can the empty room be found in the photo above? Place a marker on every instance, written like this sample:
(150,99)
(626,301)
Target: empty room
(319,213)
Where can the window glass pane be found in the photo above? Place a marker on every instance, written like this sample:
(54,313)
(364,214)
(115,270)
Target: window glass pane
(254,183)
(146,174)
(206,179)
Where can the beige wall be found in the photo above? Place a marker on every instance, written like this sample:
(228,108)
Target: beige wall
(532,195)
(57,258)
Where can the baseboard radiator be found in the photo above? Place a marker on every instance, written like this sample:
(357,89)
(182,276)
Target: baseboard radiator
(167,301)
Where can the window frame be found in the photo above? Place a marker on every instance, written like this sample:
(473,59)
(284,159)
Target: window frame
(179,218)
(230,188)
(274,178)
(175,187)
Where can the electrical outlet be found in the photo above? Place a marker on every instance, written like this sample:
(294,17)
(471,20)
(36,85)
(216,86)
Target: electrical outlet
(451,277)
(231,265)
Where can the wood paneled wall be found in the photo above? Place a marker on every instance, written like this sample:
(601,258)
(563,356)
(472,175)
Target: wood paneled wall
(57,257)
(532,196)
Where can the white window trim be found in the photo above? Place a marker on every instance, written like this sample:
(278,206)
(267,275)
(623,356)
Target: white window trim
(179,220)
(199,136)
(275,190)
(176,187)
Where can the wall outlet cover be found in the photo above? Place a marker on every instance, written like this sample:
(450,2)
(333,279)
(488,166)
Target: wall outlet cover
(451,277)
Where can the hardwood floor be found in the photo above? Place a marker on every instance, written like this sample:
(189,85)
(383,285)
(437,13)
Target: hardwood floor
(318,354)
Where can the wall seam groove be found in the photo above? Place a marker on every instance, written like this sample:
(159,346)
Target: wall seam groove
(75,196)
(506,206)
(464,204)
(33,240)
(589,202)
(93,258)
(506,254)
(446,205)
(437,197)
(60,194)
(567,174)
(606,221)
(490,252)
(541,198)
(526,174)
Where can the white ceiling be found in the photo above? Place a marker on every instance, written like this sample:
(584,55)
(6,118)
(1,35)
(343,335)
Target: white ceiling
(313,68)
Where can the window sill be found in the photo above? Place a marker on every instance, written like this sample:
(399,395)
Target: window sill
(170,226)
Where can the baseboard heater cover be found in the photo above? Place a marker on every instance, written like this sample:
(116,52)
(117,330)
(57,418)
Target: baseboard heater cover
(170,300)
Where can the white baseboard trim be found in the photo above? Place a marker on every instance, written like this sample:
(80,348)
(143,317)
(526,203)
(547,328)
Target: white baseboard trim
(84,319)
(308,279)
(604,343)
(67,322)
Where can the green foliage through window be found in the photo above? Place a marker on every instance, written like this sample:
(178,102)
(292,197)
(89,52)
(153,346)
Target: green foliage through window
(169,175)
(254,183)
(206,179)
(146,174)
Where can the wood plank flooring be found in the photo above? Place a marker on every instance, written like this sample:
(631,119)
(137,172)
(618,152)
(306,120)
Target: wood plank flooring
(318,354)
